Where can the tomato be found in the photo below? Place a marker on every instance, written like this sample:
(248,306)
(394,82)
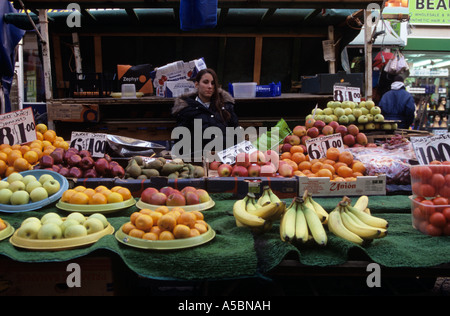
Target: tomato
(427,208)
(447,179)
(427,190)
(438,180)
(445,191)
(415,187)
(446,212)
(419,198)
(418,214)
(422,172)
(446,230)
(440,200)
(438,219)
(433,230)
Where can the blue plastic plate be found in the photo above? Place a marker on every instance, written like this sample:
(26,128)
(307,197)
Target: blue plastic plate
(64,185)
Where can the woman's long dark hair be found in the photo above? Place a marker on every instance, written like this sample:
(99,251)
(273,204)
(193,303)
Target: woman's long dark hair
(216,99)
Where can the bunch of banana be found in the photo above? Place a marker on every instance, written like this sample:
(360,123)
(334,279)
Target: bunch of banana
(355,224)
(320,211)
(301,223)
(258,214)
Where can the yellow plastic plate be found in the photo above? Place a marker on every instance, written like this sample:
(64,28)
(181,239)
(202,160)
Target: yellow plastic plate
(98,208)
(8,231)
(195,207)
(119,94)
(60,244)
(165,244)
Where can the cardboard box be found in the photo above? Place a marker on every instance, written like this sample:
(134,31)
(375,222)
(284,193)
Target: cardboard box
(367,185)
(85,112)
(138,75)
(173,89)
(324,83)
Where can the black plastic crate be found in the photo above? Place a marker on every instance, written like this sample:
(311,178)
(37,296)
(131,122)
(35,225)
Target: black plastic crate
(91,85)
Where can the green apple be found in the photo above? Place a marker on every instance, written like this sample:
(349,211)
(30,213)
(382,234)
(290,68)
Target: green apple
(362,104)
(52,186)
(343,119)
(56,220)
(45,177)
(100,217)
(386,126)
(379,118)
(370,104)
(67,223)
(16,186)
(80,218)
(348,111)
(364,111)
(15,176)
(363,119)
(29,230)
(357,112)
(4,184)
(370,117)
(33,185)
(375,110)
(330,104)
(339,111)
(337,104)
(38,194)
(93,225)
(76,230)
(28,178)
(33,219)
(327,119)
(5,196)
(49,215)
(20,197)
(351,118)
(370,126)
(328,111)
(49,231)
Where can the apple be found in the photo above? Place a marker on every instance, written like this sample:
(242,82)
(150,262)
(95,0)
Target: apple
(339,111)
(361,139)
(38,194)
(268,170)
(57,221)
(67,223)
(379,118)
(45,177)
(5,196)
(299,130)
(253,170)
(49,231)
(84,153)
(343,119)
(93,225)
(167,190)
(75,172)
(76,230)
(309,122)
(192,198)
(327,111)
(363,119)
(101,165)
(116,171)
(294,140)
(29,230)
(52,186)
(28,178)
(330,104)
(287,147)
(33,219)
(176,199)
(16,186)
(80,218)
(353,129)
(147,193)
(239,171)
(101,217)
(333,124)
(272,156)
(58,156)
(342,129)
(304,139)
(203,195)
(327,130)
(369,126)
(46,161)
(375,110)
(89,173)
(33,185)
(224,170)
(351,118)
(312,132)
(243,159)
(258,156)
(349,140)
(285,170)
(369,117)
(319,124)
(328,118)
(15,176)
(4,184)
(158,198)
(214,165)
(74,160)
(20,197)
(357,112)
(370,104)
(187,189)
(49,215)
(86,162)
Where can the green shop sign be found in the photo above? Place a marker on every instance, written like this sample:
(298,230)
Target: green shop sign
(429,12)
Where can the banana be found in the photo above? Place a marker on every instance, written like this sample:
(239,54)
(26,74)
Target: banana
(336,226)
(266,211)
(321,212)
(369,219)
(287,224)
(241,214)
(382,231)
(301,226)
(250,206)
(363,231)
(367,210)
(315,225)
(265,197)
(273,196)
(362,203)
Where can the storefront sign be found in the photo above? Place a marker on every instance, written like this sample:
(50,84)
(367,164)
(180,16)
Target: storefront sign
(429,12)
(431,148)
(317,147)
(228,155)
(95,143)
(17,127)
(345,93)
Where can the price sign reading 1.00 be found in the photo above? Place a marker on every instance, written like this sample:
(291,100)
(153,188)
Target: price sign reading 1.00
(317,147)
(17,127)
(344,93)
(93,142)
(431,148)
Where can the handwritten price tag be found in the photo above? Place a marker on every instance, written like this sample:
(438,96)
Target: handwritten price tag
(17,127)
(431,148)
(343,93)
(317,147)
(94,142)
(229,154)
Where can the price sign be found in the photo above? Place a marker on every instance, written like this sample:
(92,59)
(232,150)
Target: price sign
(431,148)
(228,155)
(343,93)
(317,147)
(94,142)
(17,127)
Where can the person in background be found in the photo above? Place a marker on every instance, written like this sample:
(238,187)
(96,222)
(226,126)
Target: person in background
(209,103)
(398,104)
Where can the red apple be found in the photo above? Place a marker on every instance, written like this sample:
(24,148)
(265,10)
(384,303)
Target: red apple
(224,170)
(166,190)
(243,159)
(176,199)
(188,189)
(333,124)
(341,129)
(267,171)
(353,129)
(158,198)
(239,171)
(349,140)
(286,147)
(299,130)
(203,195)
(361,138)
(327,130)
(294,140)
(272,156)
(286,170)
(147,193)
(304,139)
(309,123)
(214,165)
(257,157)
(192,198)
(101,166)
(312,132)
(253,170)
(319,124)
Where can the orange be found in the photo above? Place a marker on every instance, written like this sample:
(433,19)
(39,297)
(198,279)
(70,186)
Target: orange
(345,171)
(304,165)
(198,214)
(125,192)
(162,209)
(3,167)
(24,148)
(146,211)
(97,198)
(299,173)
(194,232)
(167,222)
(316,166)
(15,147)
(358,166)
(166,235)
(337,165)
(134,216)
(9,170)
(41,128)
(346,157)
(298,157)
(39,136)
(67,195)
(7,150)
(296,149)
(137,233)
(181,231)
(144,222)
(286,155)
(79,198)
(89,191)
(329,167)
(324,173)
(3,156)
(332,153)
(115,197)
(202,228)
(38,151)
(116,188)
(59,139)
(178,209)
(21,164)
(357,174)
(187,218)
(293,164)
(80,188)
(48,150)
(100,188)
(156,230)
(3,146)
(31,156)
(49,135)
(13,155)
(127,227)
(150,236)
